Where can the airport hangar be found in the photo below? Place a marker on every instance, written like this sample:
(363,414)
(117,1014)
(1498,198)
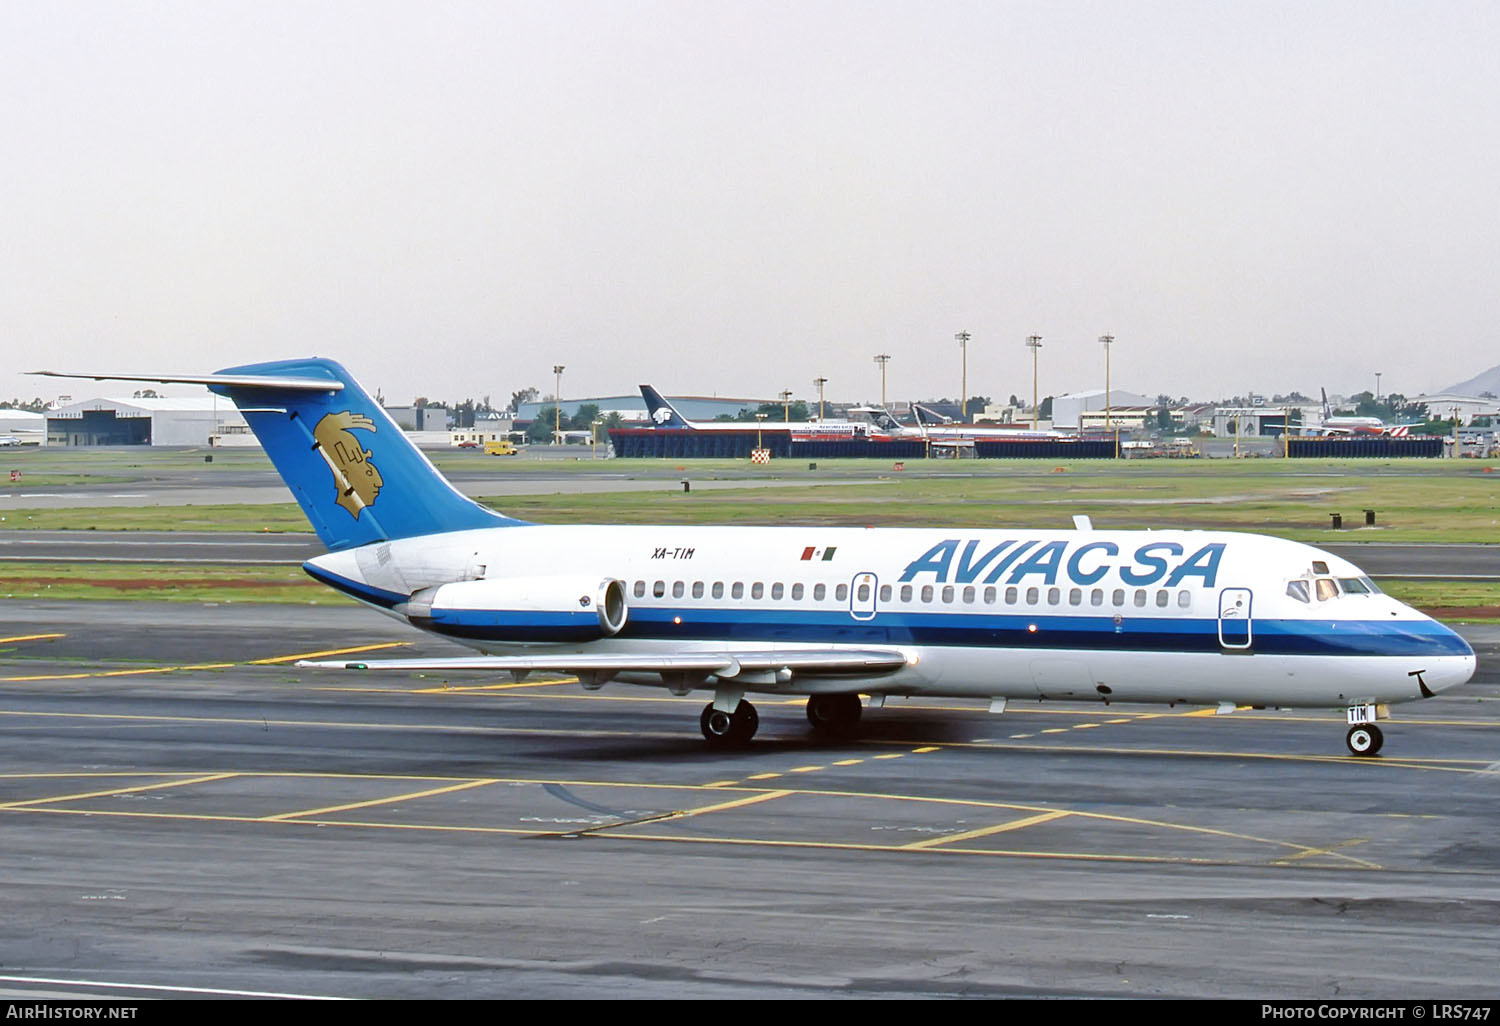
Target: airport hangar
(188,420)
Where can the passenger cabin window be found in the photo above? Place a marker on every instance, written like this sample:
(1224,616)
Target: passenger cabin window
(1096,597)
(1118,598)
(1140,597)
(1032,595)
(947,593)
(659,589)
(1184,599)
(1010,596)
(1326,589)
(697,589)
(989,596)
(863,593)
(820,592)
(1161,599)
(1299,591)
(797,593)
(1075,596)
(677,589)
(640,589)
(969,595)
(1054,596)
(737,590)
(776,591)
(905,593)
(841,593)
(757,590)
(885,593)
(718,591)
(926,593)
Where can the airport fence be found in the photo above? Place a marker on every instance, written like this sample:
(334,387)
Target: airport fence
(1365,447)
(681,443)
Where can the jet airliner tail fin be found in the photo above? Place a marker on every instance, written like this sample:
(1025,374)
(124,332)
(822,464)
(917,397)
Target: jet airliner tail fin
(357,477)
(662,412)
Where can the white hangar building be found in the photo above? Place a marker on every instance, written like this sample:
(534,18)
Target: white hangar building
(177,421)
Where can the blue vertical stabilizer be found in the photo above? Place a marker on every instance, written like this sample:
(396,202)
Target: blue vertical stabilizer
(355,474)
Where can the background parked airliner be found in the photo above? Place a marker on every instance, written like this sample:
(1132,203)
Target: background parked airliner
(826,612)
(663,414)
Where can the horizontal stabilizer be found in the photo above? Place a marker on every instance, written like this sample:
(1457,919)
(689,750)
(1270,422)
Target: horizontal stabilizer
(225,380)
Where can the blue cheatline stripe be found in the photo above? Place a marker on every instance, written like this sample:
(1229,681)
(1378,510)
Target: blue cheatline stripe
(354,589)
(515,625)
(1144,634)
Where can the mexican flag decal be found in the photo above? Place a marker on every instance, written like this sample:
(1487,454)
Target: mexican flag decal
(815,553)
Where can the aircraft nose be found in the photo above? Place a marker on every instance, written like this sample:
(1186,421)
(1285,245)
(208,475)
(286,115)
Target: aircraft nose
(1454,669)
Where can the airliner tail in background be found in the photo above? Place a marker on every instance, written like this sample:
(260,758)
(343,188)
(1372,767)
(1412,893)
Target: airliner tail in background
(662,412)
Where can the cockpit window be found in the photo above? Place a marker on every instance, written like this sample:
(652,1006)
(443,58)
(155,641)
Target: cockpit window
(1353,586)
(1326,589)
(1371,586)
(1319,567)
(1298,590)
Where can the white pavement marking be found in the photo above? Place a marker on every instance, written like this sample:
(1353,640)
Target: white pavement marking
(114,985)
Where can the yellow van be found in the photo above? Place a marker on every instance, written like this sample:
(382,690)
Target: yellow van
(500,449)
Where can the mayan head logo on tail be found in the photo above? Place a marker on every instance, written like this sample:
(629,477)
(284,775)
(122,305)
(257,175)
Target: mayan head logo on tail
(357,479)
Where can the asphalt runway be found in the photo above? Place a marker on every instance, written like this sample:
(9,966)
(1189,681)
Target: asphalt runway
(182,808)
(220,493)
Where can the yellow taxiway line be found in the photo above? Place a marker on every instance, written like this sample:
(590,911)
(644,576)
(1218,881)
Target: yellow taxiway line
(115,791)
(969,835)
(411,796)
(273,660)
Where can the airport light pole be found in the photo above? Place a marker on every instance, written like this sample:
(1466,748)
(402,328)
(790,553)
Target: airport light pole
(557,405)
(1034,342)
(1106,341)
(1377,386)
(786,406)
(760,419)
(963,388)
(820,382)
(594,436)
(882,359)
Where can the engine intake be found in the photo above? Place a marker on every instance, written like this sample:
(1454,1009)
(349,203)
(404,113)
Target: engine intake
(522,609)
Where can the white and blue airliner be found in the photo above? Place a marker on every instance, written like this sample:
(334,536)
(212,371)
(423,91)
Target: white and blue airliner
(831,613)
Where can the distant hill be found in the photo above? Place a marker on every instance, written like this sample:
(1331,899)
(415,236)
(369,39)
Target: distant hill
(1489,381)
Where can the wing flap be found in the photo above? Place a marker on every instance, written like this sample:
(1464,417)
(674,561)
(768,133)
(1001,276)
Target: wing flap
(726,665)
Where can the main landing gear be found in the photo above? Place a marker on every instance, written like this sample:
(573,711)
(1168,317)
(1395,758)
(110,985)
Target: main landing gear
(1364,739)
(729,730)
(834,715)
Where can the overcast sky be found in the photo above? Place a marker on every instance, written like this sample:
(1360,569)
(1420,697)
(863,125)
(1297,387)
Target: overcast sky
(736,198)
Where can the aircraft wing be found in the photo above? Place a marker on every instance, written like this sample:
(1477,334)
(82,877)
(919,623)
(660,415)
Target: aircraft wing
(726,665)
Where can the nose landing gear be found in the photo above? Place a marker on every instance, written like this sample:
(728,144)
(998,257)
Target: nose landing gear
(1364,739)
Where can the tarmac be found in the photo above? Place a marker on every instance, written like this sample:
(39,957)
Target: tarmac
(184,813)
